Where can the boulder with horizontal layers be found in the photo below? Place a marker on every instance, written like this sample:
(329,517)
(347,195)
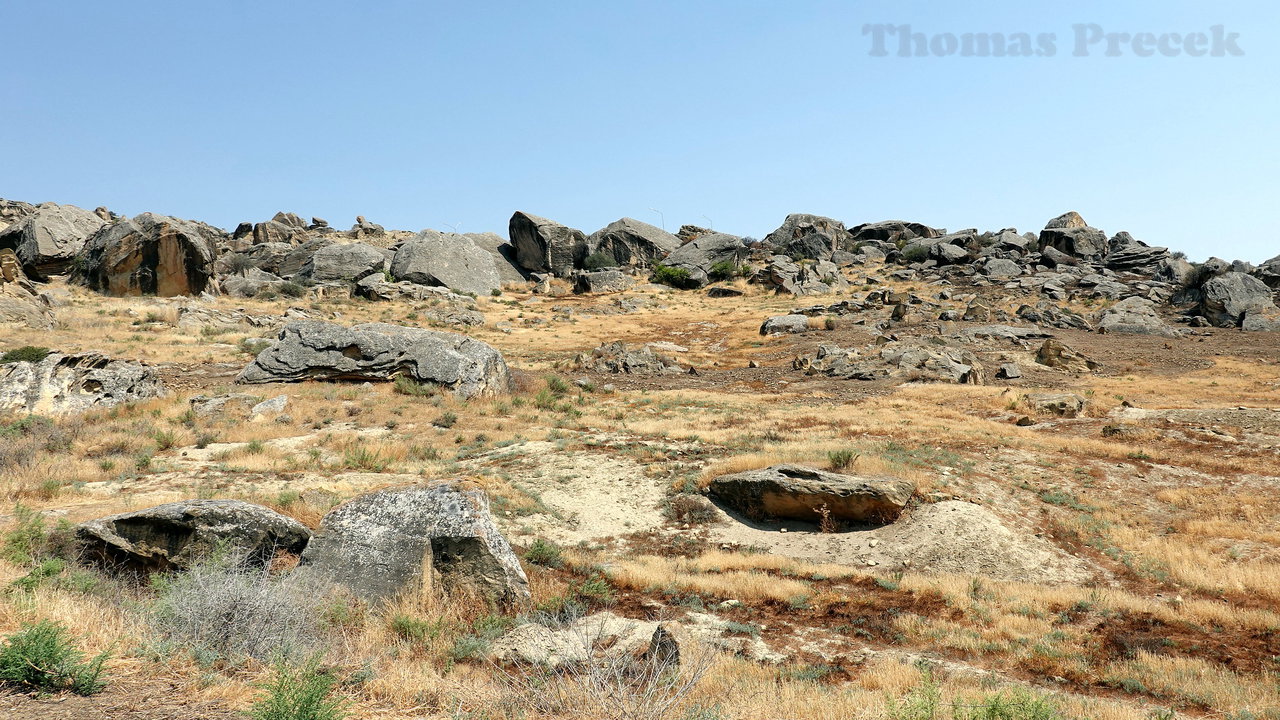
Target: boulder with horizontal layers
(72,383)
(315,350)
(411,540)
(48,239)
(179,535)
(447,260)
(631,242)
(809,494)
(546,246)
(150,255)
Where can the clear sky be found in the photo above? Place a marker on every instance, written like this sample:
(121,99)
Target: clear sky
(730,113)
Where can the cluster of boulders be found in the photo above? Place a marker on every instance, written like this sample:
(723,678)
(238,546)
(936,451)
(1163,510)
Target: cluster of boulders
(378,546)
(807,255)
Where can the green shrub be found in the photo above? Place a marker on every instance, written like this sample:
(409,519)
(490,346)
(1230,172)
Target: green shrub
(43,656)
(292,289)
(841,459)
(915,253)
(406,385)
(253,346)
(26,353)
(600,261)
(675,277)
(725,270)
(415,629)
(545,553)
(299,693)
(447,419)
(557,385)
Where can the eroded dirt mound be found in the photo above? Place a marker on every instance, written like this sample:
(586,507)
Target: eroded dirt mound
(962,537)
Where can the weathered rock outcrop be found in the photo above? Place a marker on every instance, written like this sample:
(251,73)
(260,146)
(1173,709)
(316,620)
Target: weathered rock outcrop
(810,237)
(785,324)
(804,493)
(48,239)
(351,262)
(413,539)
(150,255)
(616,357)
(631,242)
(1054,354)
(1061,404)
(1237,300)
(697,257)
(905,360)
(544,245)
(602,281)
(447,260)
(179,535)
(62,384)
(1069,234)
(1134,316)
(20,301)
(314,350)
(802,278)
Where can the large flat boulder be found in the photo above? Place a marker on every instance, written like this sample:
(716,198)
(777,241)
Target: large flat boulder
(805,493)
(48,240)
(447,260)
(632,242)
(350,262)
(72,383)
(544,245)
(414,539)
(150,255)
(179,535)
(316,350)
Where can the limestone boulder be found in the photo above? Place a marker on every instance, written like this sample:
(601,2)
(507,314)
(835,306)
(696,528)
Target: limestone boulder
(316,350)
(416,539)
(179,535)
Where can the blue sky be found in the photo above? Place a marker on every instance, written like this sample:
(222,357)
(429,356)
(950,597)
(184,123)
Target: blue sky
(429,114)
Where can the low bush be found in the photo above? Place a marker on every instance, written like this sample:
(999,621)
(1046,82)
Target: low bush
(44,656)
(675,277)
(303,692)
(545,553)
(26,353)
(599,261)
(222,612)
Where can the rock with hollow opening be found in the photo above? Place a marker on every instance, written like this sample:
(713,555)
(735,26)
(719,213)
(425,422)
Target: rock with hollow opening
(179,535)
(805,493)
